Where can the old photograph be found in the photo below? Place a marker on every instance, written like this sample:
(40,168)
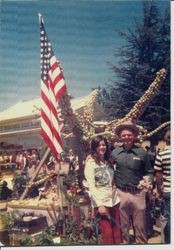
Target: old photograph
(85,123)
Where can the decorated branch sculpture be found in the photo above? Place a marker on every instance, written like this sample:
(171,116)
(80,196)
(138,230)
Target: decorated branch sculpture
(148,135)
(89,128)
(140,106)
(86,120)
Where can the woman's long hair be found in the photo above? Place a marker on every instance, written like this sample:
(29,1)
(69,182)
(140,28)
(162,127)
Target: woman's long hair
(95,144)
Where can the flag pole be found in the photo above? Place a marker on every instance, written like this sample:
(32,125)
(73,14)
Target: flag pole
(53,87)
(59,185)
(35,174)
(40,16)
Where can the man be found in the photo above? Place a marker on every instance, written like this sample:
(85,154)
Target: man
(132,167)
(162,169)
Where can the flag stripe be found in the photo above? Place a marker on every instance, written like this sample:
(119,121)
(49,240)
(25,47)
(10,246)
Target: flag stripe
(58,78)
(59,87)
(54,65)
(61,92)
(51,133)
(51,126)
(48,105)
(54,130)
(49,142)
(52,88)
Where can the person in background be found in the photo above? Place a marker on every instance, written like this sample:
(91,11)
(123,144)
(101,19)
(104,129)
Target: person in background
(162,169)
(1,158)
(150,221)
(6,157)
(24,163)
(52,161)
(34,158)
(72,160)
(18,159)
(5,192)
(152,153)
(115,143)
(132,167)
(13,158)
(103,194)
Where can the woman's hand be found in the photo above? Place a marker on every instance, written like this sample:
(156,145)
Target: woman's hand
(102,210)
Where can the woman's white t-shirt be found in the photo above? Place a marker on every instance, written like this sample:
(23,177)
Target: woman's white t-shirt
(100,184)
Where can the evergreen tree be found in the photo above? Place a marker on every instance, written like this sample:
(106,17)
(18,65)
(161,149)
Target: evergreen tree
(146,51)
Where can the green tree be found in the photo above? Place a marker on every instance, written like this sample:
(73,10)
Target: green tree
(146,51)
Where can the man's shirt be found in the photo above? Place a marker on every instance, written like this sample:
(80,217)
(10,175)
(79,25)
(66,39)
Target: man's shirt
(163,165)
(131,165)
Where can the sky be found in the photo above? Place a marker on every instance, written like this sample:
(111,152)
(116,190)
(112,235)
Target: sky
(82,34)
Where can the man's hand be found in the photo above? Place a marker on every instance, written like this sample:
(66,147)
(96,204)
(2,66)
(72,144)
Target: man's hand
(149,185)
(145,184)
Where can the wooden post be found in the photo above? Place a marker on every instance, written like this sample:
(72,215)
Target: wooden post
(59,185)
(35,174)
(79,152)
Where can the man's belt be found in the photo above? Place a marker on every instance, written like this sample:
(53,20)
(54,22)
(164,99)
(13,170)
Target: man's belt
(129,189)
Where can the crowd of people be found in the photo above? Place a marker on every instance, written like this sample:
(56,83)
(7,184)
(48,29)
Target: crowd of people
(25,164)
(119,182)
(20,162)
(21,159)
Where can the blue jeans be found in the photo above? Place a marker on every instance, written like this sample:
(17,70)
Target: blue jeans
(165,219)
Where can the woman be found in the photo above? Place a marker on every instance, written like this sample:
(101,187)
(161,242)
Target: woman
(104,199)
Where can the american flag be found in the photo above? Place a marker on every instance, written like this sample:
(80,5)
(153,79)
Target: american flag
(52,88)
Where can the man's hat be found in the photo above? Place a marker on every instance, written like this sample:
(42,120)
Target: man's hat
(127,125)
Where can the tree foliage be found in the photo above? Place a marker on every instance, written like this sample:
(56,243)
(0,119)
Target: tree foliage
(146,50)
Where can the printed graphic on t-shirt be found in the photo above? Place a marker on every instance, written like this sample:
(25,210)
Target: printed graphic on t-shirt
(103,177)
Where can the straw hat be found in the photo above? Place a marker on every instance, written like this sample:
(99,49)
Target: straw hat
(127,125)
